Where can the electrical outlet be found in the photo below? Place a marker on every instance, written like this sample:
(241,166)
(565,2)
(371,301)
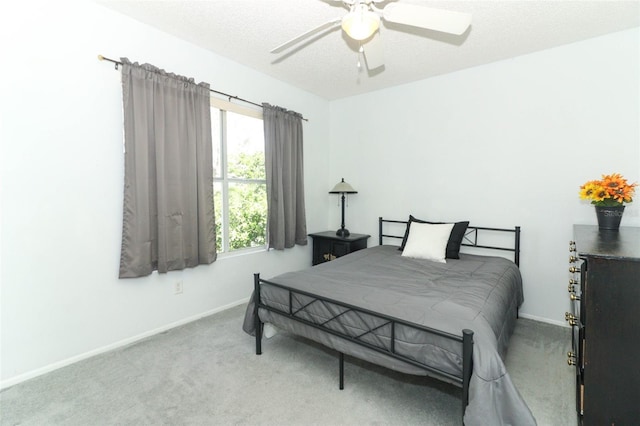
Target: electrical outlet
(177,289)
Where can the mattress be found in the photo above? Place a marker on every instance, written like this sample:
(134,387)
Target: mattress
(480,293)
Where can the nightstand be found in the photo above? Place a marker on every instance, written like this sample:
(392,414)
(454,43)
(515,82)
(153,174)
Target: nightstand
(328,246)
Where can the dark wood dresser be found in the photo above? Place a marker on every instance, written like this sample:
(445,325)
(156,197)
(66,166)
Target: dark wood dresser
(605,292)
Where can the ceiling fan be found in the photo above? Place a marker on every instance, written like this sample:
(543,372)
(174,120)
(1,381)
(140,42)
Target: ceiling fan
(363,20)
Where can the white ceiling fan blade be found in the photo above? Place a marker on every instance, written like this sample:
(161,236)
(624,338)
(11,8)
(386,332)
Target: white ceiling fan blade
(309,33)
(446,21)
(373,53)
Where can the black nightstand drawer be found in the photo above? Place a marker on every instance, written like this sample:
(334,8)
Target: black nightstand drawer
(328,246)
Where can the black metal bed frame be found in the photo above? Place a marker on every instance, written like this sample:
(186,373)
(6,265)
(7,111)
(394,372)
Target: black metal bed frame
(470,237)
(466,338)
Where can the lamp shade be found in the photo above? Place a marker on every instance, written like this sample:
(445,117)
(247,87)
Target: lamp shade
(343,187)
(360,23)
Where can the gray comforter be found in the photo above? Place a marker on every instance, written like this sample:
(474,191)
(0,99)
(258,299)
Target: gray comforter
(480,293)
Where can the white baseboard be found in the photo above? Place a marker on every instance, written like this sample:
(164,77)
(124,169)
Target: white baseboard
(65,362)
(541,319)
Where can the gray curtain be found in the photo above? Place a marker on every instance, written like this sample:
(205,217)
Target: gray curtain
(285,177)
(168,220)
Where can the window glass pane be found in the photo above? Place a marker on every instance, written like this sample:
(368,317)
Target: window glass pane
(245,147)
(217,206)
(216,142)
(247,215)
(240,202)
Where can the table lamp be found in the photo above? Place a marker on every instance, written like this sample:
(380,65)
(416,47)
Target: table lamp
(343,187)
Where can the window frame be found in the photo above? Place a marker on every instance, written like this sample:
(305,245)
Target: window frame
(224,180)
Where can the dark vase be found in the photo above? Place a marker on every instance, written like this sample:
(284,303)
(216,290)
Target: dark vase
(609,217)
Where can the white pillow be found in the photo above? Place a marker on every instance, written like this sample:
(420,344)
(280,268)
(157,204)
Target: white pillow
(428,241)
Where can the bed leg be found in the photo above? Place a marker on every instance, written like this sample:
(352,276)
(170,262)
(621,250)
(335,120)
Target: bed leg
(341,363)
(256,317)
(467,366)
(516,256)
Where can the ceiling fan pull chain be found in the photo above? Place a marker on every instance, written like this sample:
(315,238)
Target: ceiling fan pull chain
(360,51)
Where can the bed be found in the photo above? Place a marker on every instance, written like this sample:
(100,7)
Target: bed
(446,318)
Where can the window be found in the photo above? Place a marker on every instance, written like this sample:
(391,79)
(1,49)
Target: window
(239,181)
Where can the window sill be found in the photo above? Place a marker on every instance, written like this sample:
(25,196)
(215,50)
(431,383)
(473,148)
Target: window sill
(242,252)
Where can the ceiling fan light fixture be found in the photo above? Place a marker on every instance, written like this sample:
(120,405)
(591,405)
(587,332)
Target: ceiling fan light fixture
(360,23)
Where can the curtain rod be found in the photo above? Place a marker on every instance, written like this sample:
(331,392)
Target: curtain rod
(117,63)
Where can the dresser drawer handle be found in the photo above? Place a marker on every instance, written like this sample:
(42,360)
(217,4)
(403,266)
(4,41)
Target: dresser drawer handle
(574,269)
(573,296)
(572,319)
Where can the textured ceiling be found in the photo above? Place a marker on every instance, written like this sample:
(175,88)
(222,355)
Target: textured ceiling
(246,30)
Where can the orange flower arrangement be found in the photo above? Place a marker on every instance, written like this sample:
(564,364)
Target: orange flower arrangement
(612,190)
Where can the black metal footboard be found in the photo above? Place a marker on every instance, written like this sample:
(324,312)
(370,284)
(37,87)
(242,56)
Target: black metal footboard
(297,309)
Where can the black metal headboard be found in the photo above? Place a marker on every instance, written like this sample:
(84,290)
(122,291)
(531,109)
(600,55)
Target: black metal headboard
(470,237)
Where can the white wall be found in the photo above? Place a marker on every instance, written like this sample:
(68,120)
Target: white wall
(62,177)
(503,144)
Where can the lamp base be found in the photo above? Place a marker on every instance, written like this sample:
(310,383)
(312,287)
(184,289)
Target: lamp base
(342,232)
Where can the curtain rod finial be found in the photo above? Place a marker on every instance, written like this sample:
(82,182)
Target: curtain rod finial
(100,58)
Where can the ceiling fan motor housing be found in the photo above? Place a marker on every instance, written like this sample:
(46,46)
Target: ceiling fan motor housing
(361,22)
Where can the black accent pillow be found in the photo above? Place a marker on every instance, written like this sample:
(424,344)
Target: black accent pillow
(455,239)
